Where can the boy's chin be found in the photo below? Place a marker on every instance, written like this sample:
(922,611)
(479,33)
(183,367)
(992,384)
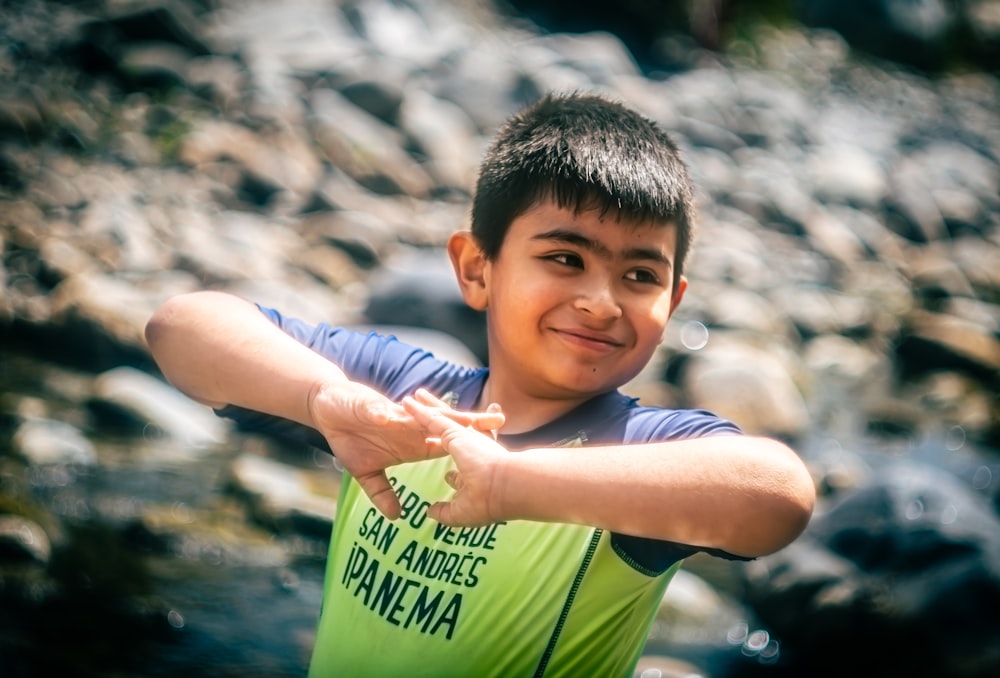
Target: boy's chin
(586,386)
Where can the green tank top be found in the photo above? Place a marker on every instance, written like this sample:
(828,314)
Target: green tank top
(412,597)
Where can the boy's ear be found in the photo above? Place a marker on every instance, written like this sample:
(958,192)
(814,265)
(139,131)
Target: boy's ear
(675,300)
(678,294)
(470,268)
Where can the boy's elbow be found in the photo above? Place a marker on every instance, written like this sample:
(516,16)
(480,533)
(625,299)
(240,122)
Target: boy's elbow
(779,508)
(796,500)
(169,331)
(801,504)
(163,320)
(157,327)
(175,314)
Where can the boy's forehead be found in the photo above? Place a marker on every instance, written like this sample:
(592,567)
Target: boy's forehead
(600,218)
(547,220)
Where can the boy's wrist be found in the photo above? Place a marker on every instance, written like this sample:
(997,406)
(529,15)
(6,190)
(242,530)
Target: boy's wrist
(312,394)
(512,493)
(320,397)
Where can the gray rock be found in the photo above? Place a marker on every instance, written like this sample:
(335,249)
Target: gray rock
(366,148)
(147,401)
(52,442)
(914,553)
(23,540)
(420,290)
(747,384)
(283,497)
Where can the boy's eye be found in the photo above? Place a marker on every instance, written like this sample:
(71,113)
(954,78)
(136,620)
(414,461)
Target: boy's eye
(642,275)
(567,259)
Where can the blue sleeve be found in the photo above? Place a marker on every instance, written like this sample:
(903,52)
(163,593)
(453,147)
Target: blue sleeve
(383,362)
(684,424)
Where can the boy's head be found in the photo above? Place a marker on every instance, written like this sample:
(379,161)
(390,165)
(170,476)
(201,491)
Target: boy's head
(585,152)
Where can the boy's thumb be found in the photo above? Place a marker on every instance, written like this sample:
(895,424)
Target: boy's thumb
(380,492)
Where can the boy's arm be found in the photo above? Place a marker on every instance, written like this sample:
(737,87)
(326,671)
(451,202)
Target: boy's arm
(221,350)
(744,495)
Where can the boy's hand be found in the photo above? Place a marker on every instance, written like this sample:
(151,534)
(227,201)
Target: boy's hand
(489,421)
(368,433)
(477,456)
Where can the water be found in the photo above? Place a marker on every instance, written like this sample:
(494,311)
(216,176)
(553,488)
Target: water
(155,570)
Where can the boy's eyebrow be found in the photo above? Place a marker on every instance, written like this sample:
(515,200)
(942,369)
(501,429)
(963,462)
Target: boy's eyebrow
(573,238)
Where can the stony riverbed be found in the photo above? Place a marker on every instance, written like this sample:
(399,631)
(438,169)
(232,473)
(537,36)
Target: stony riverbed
(314,155)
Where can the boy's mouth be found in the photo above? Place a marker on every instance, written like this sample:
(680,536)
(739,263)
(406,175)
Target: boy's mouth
(589,339)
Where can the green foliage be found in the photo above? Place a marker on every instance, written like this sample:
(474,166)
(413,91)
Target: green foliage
(741,21)
(169,137)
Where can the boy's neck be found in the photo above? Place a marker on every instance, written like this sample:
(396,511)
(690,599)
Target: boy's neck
(522,411)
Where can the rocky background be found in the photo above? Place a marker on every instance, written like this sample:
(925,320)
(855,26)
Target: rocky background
(315,155)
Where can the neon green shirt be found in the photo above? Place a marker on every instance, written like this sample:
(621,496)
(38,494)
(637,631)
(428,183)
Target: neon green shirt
(414,598)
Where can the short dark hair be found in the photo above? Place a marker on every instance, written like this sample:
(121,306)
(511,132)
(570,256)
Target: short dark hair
(585,151)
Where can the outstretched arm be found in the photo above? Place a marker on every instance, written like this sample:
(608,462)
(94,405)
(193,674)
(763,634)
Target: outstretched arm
(745,495)
(219,349)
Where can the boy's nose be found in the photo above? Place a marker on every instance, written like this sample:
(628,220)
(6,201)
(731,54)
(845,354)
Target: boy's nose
(597,298)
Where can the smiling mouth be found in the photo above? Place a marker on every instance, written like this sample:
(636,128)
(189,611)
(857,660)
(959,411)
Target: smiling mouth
(588,340)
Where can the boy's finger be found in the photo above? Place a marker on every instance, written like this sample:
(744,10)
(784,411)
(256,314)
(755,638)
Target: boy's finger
(437,421)
(489,422)
(431,418)
(378,489)
(426,397)
(485,422)
(440,511)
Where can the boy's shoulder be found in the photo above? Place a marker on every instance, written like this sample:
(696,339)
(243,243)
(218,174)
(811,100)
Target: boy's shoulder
(662,423)
(615,418)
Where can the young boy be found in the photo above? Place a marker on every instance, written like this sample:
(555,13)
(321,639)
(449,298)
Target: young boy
(522,519)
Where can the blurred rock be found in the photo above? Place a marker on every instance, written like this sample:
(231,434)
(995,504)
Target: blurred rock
(23,540)
(283,497)
(912,554)
(45,441)
(749,386)
(419,289)
(316,156)
(135,400)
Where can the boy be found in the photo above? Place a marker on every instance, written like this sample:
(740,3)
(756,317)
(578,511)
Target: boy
(571,506)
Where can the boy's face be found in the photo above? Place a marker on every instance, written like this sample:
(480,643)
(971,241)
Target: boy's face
(576,304)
